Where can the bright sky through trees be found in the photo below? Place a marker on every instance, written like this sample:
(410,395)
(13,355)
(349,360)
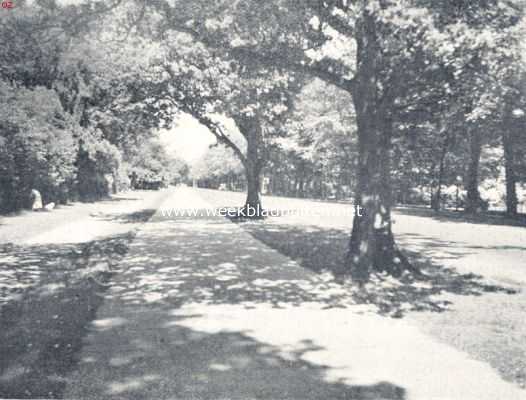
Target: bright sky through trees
(188,139)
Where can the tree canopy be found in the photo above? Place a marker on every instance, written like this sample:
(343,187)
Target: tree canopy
(381,101)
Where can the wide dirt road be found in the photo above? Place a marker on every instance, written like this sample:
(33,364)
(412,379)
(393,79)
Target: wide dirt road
(476,272)
(200,308)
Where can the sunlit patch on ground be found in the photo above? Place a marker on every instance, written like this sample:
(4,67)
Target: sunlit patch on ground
(473,269)
(50,293)
(197,309)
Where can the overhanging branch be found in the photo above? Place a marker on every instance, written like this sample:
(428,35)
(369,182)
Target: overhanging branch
(328,71)
(218,131)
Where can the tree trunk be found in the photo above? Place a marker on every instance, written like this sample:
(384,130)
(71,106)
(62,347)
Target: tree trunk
(253,199)
(509,170)
(253,166)
(372,246)
(473,200)
(301,186)
(436,200)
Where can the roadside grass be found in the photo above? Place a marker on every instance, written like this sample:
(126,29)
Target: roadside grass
(484,318)
(486,218)
(42,326)
(49,294)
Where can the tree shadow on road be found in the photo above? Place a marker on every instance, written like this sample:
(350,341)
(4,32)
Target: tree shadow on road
(48,296)
(321,249)
(128,218)
(179,361)
(54,291)
(145,346)
(211,260)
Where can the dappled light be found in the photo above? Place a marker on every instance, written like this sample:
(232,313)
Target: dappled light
(320,249)
(201,266)
(210,363)
(210,311)
(49,294)
(203,307)
(263,199)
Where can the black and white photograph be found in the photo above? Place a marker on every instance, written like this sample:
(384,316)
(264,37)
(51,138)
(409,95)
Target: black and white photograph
(263,199)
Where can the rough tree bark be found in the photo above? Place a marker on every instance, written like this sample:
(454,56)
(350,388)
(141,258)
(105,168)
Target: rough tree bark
(372,245)
(250,128)
(473,200)
(253,173)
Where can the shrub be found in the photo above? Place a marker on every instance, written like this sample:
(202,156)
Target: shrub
(37,147)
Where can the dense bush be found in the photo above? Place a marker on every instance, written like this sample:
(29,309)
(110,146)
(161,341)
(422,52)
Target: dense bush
(98,162)
(37,147)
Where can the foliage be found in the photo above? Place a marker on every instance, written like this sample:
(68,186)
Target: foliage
(77,102)
(380,97)
(317,158)
(38,147)
(219,165)
(151,167)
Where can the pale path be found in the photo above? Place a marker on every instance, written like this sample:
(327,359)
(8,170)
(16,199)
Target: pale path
(201,309)
(36,236)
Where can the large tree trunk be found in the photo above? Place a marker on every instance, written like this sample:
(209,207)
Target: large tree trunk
(473,200)
(253,199)
(509,166)
(251,130)
(372,246)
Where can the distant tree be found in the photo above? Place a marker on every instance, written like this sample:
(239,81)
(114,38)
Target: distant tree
(219,165)
(382,47)
(509,76)
(150,166)
(317,156)
(256,99)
